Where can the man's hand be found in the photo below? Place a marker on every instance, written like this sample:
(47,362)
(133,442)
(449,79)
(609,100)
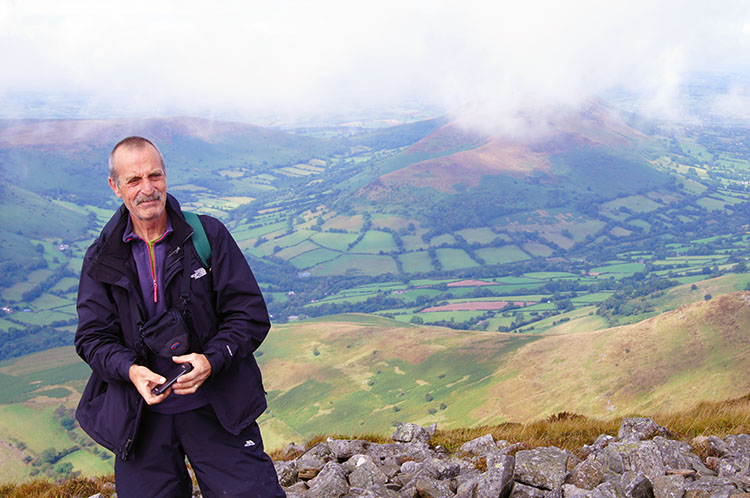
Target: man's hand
(144,380)
(191,381)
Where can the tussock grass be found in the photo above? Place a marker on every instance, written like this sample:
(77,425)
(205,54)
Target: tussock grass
(80,486)
(564,430)
(572,431)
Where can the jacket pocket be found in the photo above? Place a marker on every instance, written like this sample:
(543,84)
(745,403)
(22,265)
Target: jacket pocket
(109,413)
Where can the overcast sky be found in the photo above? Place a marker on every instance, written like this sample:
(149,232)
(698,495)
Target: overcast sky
(302,58)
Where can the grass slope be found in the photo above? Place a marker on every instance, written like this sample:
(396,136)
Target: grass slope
(697,352)
(351,377)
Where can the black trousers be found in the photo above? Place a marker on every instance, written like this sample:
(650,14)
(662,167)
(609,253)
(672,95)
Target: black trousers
(225,465)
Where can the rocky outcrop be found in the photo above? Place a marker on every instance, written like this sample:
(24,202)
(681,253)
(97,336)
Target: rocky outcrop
(643,461)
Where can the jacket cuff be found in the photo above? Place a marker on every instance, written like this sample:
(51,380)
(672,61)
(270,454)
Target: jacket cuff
(123,368)
(217,361)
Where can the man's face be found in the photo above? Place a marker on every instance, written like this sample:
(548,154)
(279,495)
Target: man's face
(141,182)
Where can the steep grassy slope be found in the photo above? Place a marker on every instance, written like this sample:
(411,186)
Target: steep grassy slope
(360,376)
(697,352)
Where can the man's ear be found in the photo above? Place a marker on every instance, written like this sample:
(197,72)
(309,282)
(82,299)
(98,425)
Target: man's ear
(114,188)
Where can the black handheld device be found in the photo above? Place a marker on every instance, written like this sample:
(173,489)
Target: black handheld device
(172,378)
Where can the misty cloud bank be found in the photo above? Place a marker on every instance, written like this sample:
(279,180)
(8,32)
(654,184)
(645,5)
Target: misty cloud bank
(297,59)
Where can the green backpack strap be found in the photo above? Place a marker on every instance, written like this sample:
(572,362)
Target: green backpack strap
(200,240)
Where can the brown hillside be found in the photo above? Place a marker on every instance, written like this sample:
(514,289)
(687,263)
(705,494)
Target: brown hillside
(697,352)
(518,155)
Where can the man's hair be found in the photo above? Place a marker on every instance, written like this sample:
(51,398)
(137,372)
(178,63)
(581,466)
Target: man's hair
(133,142)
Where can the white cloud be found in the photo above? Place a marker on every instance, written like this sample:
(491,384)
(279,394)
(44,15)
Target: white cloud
(310,57)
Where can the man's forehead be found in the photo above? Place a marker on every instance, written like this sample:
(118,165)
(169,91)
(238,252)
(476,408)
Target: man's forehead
(136,149)
(130,161)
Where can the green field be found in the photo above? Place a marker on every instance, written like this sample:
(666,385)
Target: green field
(334,241)
(314,257)
(452,259)
(375,242)
(478,235)
(623,268)
(414,262)
(353,264)
(502,255)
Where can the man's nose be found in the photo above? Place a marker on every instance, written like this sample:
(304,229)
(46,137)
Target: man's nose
(148,186)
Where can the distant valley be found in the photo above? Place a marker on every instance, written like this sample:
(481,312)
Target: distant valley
(425,271)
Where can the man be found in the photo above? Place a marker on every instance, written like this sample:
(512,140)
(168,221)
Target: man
(136,270)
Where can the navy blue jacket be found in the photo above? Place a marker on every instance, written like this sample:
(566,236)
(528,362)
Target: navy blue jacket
(227,316)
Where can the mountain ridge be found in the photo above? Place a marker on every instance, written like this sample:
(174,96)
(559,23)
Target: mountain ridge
(466,155)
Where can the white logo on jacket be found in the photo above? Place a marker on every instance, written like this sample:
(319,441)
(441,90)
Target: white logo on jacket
(200,272)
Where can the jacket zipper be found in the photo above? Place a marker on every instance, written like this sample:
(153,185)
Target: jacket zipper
(172,263)
(131,439)
(152,262)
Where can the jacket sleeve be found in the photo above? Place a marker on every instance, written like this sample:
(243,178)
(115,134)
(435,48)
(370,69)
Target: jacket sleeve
(99,338)
(241,309)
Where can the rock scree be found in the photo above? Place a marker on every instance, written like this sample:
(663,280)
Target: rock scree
(643,461)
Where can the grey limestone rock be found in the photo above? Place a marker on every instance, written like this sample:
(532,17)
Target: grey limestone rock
(607,489)
(739,444)
(669,486)
(297,487)
(286,472)
(523,491)
(292,451)
(366,473)
(636,485)
(555,493)
(372,492)
(587,474)
(716,446)
(433,488)
(541,467)
(496,482)
(480,446)
(344,449)
(639,456)
(330,482)
(677,455)
(710,487)
(407,433)
(308,466)
(573,491)
(735,466)
(599,444)
(413,451)
(639,429)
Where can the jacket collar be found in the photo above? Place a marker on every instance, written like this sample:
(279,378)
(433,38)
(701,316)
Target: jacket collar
(114,259)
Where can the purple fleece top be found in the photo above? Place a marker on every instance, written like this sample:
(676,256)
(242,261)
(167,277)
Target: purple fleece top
(149,260)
